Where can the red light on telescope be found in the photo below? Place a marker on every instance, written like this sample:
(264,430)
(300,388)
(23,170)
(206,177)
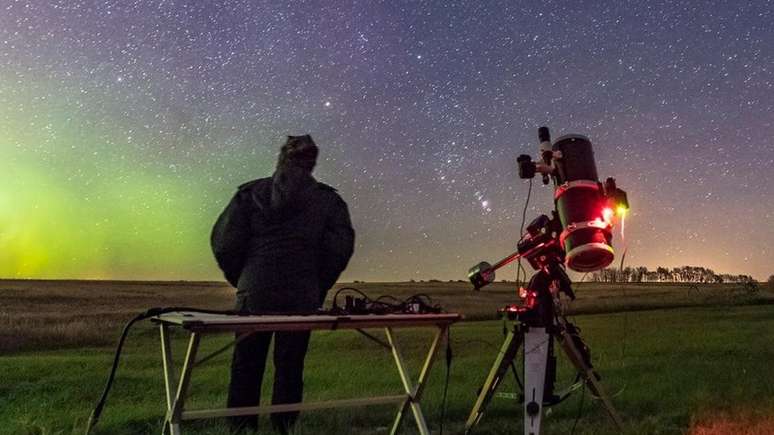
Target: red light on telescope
(607,214)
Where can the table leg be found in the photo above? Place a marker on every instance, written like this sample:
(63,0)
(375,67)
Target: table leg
(169,369)
(414,394)
(175,411)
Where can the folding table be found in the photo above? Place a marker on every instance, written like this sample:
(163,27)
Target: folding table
(199,324)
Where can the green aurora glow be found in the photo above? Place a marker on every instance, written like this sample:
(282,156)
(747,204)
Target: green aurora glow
(75,203)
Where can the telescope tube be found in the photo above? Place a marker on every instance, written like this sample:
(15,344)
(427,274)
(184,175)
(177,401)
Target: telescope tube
(580,201)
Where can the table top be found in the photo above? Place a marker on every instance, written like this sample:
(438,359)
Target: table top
(202,322)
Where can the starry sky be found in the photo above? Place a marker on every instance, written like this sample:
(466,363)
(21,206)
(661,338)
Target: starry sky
(125,126)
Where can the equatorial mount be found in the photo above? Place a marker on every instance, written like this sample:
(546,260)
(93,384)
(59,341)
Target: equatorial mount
(535,326)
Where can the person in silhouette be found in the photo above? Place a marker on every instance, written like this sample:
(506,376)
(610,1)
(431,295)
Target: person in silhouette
(282,241)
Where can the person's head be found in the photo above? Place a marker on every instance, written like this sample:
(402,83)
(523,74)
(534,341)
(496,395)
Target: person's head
(298,151)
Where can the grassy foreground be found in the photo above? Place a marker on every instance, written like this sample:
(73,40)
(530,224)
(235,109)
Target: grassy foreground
(671,371)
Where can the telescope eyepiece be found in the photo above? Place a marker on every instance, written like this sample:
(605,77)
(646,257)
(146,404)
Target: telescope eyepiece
(546,152)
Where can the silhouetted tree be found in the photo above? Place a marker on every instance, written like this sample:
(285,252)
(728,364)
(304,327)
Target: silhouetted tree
(663,273)
(683,274)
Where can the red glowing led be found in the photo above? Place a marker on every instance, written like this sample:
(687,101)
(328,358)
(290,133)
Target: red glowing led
(607,214)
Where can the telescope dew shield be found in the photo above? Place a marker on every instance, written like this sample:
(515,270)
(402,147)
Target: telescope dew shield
(576,161)
(587,235)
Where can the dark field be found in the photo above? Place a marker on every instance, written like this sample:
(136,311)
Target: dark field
(677,359)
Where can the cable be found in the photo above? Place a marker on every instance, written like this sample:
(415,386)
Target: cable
(623,291)
(446,383)
(580,410)
(516,376)
(393,298)
(625,328)
(419,303)
(519,268)
(336,295)
(94,417)
(524,210)
(152,312)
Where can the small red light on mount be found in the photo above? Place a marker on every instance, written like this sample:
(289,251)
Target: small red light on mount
(530,301)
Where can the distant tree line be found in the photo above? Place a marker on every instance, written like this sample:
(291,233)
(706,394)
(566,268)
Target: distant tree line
(691,274)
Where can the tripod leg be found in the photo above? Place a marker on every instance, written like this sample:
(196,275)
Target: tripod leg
(504,359)
(576,358)
(536,344)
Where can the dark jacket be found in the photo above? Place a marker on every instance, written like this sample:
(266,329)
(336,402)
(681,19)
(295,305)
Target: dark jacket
(283,242)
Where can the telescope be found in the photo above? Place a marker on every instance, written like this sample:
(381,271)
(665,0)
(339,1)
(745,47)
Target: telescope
(577,236)
(579,230)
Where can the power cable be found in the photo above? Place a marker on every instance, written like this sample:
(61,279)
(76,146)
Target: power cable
(446,382)
(152,312)
(625,327)
(419,303)
(519,268)
(580,410)
(623,288)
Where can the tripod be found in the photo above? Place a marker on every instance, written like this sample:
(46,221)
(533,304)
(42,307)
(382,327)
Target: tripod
(536,327)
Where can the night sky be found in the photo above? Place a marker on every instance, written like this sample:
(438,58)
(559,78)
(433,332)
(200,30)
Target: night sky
(125,127)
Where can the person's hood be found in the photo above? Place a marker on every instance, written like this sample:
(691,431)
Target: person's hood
(298,151)
(290,188)
(292,181)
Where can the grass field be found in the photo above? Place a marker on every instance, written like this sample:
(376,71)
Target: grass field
(677,359)
(37,315)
